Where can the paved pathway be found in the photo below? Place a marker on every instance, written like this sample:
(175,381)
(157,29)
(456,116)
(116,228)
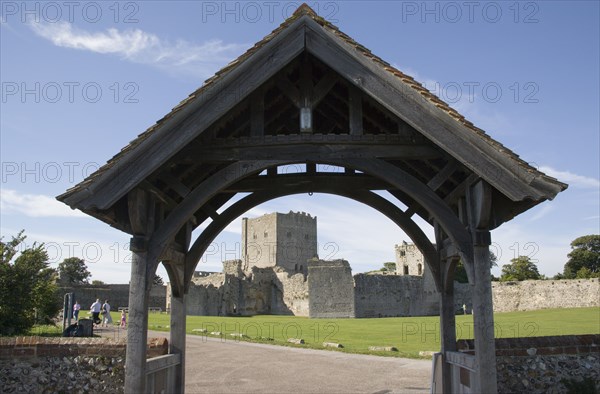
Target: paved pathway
(216,366)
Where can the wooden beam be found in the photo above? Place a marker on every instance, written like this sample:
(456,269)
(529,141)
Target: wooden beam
(442,176)
(167,201)
(176,185)
(315,152)
(323,87)
(460,190)
(289,90)
(355,111)
(257,113)
(315,180)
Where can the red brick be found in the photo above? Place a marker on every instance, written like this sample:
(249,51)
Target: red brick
(570,350)
(23,351)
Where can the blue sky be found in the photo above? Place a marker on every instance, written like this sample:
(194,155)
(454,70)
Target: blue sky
(82,79)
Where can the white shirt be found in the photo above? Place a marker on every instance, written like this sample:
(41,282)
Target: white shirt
(95,307)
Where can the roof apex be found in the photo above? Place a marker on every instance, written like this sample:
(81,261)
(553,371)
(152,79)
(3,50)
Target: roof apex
(305,9)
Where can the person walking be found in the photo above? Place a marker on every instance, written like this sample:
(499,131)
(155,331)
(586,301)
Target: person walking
(123,319)
(76,309)
(95,309)
(107,318)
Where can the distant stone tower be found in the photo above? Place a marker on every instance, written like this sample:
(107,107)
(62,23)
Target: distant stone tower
(409,260)
(279,239)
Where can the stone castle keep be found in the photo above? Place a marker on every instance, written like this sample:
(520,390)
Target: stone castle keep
(279,273)
(277,239)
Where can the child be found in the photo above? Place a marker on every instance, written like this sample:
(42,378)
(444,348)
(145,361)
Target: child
(76,309)
(123,319)
(106,317)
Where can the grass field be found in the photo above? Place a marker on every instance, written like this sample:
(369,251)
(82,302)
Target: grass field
(409,334)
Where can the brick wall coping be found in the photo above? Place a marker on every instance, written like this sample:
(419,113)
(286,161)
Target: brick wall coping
(35,346)
(530,346)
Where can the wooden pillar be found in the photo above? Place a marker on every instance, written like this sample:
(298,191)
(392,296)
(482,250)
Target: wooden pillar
(483,317)
(479,203)
(177,337)
(447,321)
(137,321)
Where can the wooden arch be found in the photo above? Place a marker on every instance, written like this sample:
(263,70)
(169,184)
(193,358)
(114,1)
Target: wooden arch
(308,93)
(280,189)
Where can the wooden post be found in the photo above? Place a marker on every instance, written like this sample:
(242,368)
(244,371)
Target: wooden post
(479,202)
(447,321)
(483,320)
(177,337)
(137,321)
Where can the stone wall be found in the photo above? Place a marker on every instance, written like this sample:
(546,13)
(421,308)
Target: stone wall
(291,294)
(235,292)
(331,289)
(402,295)
(55,365)
(387,295)
(537,365)
(116,294)
(541,294)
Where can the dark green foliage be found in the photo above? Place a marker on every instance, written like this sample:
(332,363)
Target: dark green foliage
(28,292)
(73,271)
(460,273)
(584,259)
(585,386)
(390,266)
(520,268)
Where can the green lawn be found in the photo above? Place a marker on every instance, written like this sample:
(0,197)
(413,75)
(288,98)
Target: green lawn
(409,334)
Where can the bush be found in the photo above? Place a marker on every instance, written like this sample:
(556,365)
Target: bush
(28,291)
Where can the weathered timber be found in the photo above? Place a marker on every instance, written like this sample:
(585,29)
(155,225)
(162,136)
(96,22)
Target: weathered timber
(371,199)
(442,176)
(163,143)
(414,109)
(355,114)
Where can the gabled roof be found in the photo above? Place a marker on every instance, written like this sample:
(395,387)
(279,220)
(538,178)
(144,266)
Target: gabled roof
(448,129)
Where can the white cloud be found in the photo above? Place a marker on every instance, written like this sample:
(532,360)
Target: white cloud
(572,179)
(34,205)
(541,212)
(138,46)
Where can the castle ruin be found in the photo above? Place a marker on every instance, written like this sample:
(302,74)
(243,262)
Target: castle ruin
(279,273)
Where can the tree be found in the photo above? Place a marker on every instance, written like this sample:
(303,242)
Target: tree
(520,268)
(157,281)
(585,253)
(460,273)
(28,292)
(97,282)
(390,266)
(73,271)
